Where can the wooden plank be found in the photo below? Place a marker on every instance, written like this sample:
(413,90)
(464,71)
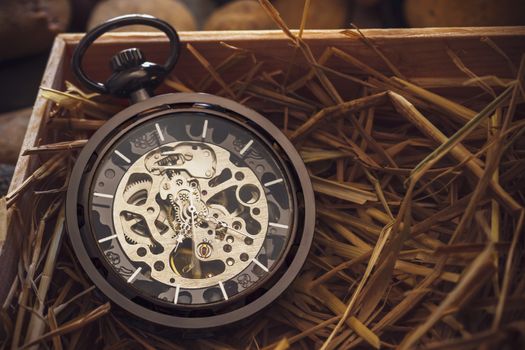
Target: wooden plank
(10,247)
(418,53)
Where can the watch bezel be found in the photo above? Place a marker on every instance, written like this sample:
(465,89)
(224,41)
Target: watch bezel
(197,322)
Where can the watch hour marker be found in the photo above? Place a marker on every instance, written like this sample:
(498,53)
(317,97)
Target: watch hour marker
(103,195)
(134,275)
(126,159)
(260,264)
(105,239)
(274,182)
(223,290)
(161,136)
(176,297)
(204,128)
(274,224)
(245,148)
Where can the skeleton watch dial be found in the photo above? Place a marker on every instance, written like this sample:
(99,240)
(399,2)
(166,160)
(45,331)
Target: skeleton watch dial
(191,209)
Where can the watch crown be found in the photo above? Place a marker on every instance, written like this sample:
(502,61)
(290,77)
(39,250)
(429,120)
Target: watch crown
(126,59)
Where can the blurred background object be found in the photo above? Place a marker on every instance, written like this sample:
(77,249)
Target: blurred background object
(29,26)
(464,13)
(174,12)
(239,15)
(201,9)
(323,14)
(12,128)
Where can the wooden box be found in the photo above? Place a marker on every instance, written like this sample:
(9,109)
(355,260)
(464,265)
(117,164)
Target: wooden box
(420,54)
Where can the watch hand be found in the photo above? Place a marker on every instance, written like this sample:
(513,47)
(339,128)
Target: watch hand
(222,223)
(236,231)
(192,208)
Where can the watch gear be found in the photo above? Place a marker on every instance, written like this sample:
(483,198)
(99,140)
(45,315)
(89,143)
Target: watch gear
(192,208)
(135,228)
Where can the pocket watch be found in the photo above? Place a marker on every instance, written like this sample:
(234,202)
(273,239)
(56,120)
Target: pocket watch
(186,210)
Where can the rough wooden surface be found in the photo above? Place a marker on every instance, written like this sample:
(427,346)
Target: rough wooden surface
(417,53)
(10,245)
